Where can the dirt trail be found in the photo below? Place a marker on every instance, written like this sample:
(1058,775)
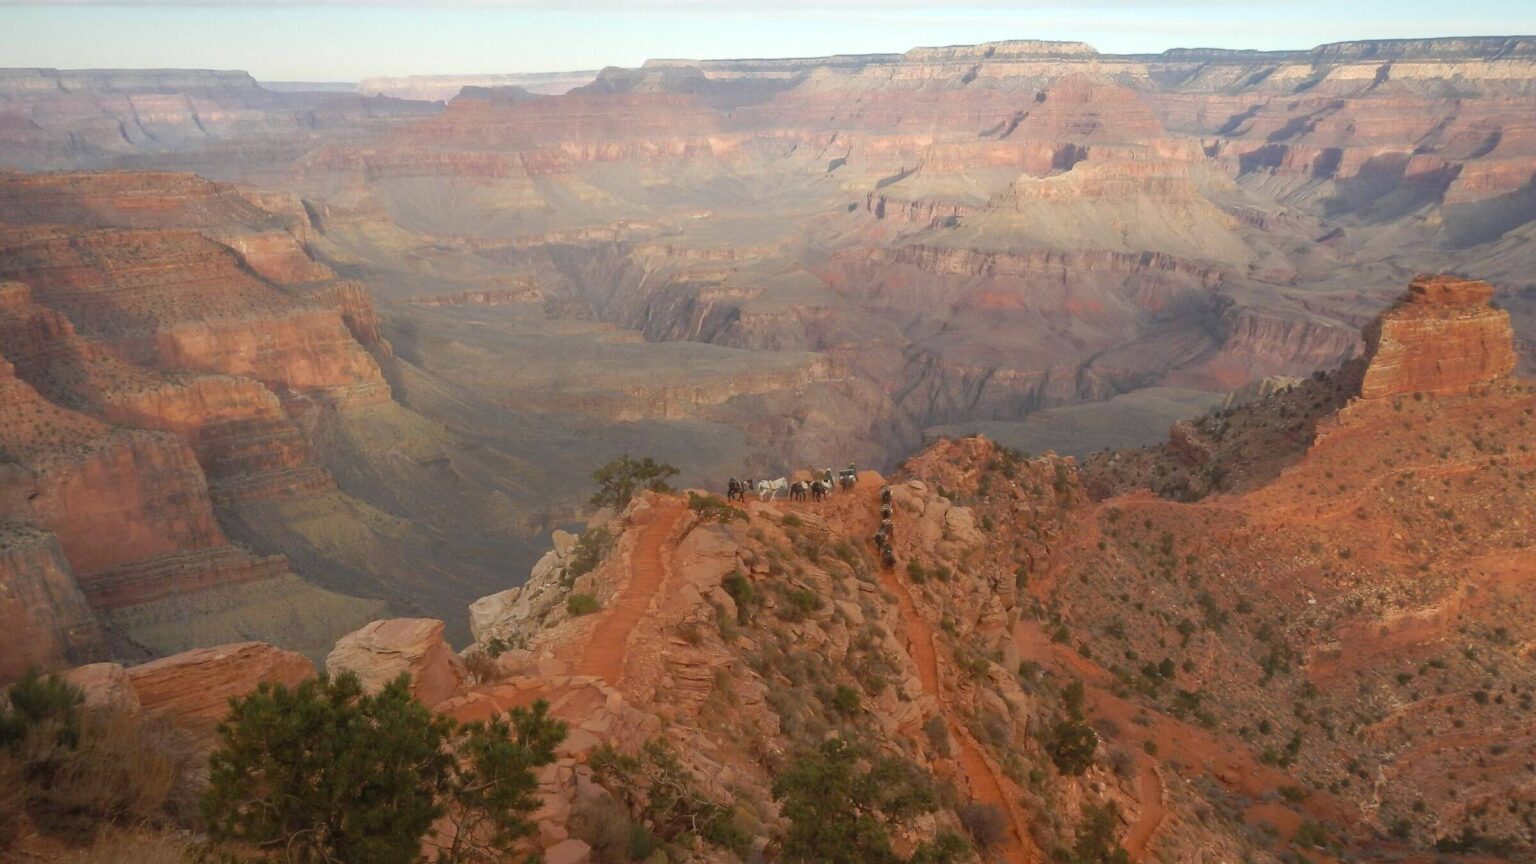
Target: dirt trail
(606,650)
(1149,789)
(988,786)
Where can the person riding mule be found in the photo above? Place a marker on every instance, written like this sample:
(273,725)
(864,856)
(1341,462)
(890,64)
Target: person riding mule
(885,495)
(888,528)
(850,477)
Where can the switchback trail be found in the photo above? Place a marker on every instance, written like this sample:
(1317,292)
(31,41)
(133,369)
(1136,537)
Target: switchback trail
(608,646)
(988,786)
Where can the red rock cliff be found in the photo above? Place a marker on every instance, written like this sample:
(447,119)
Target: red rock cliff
(44,619)
(1442,335)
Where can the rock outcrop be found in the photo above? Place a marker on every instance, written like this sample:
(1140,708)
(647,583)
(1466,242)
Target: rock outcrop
(384,650)
(500,615)
(105,686)
(192,690)
(44,619)
(1442,336)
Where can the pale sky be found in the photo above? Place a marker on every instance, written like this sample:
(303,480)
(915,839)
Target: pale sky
(345,40)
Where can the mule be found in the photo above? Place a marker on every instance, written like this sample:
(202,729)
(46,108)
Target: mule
(797,491)
(819,490)
(767,490)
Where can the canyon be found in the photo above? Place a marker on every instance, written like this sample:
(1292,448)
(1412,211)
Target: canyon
(280,364)
(381,338)
(1330,661)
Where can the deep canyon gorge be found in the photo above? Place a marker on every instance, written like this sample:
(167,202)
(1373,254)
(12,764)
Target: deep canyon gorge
(277,363)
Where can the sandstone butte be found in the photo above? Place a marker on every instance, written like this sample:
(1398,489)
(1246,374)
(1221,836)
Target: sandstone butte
(1399,540)
(1441,336)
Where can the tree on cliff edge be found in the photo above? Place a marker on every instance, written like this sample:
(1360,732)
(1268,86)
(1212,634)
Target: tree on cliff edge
(323,772)
(622,479)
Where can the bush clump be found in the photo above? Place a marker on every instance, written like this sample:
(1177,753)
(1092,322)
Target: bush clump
(582,604)
(72,769)
(841,804)
(325,772)
(619,481)
(662,802)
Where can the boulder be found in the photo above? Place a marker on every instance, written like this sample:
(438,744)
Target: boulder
(379,652)
(568,851)
(706,556)
(192,689)
(960,523)
(106,686)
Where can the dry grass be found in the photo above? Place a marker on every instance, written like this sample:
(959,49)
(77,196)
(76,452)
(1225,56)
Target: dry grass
(111,846)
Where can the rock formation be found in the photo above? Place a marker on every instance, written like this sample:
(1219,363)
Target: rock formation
(44,619)
(1442,336)
(384,650)
(192,690)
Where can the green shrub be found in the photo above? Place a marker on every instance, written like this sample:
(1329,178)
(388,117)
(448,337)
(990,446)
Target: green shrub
(591,548)
(1072,746)
(1094,841)
(800,602)
(660,793)
(73,769)
(840,812)
(581,604)
(324,772)
(39,702)
(621,480)
(845,700)
(741,591)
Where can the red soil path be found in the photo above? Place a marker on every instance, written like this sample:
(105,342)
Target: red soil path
(607,649)
(1149,817)
(987,783)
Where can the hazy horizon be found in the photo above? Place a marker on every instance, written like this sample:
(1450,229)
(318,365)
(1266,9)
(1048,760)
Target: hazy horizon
(348,40)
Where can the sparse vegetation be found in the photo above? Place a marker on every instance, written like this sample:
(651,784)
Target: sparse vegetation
(72,770)
(581,604)
(663,802)
(591,548)
(714,509)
